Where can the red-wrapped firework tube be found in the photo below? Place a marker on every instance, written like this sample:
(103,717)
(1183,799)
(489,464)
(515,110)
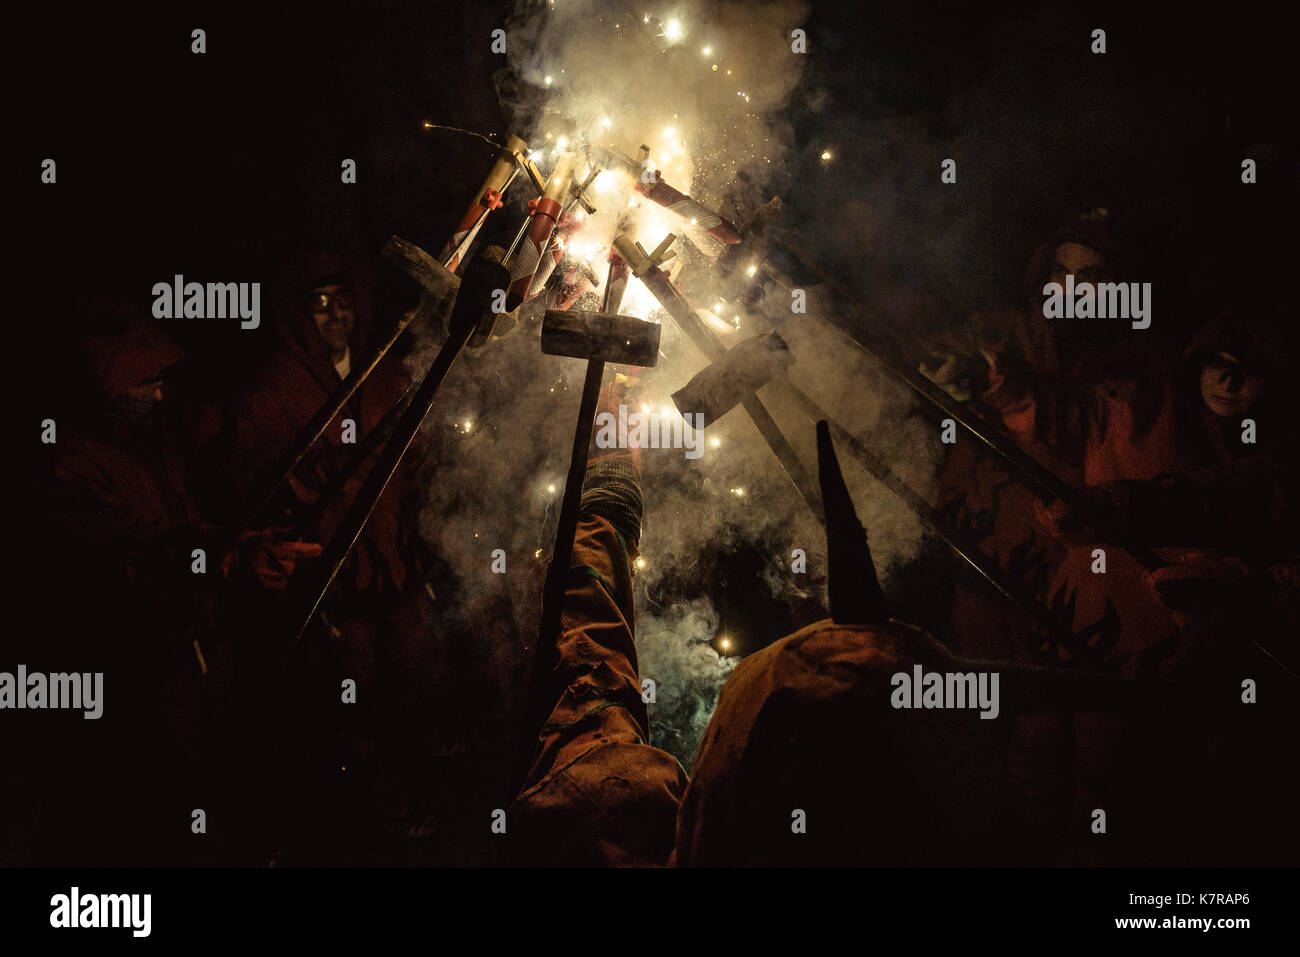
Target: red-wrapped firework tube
(545,213)
(617,282)
(569,224)
(577,280)
(689,210)
(485,200)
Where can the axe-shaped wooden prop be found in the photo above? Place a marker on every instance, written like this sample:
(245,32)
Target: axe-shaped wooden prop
(760,360)
(645,266)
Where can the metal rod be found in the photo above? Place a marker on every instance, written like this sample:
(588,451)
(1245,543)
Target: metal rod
(481,278)
(315,427)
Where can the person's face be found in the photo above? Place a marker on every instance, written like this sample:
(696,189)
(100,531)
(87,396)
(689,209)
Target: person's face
(1084,263)
(1226,388)
(331,308)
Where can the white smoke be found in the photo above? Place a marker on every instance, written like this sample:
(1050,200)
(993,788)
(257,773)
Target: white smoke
(621,75)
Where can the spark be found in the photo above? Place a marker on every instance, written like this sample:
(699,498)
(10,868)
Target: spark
(826,156)
(646,18)
(669,132)
(725,644)
(550,488)
(753,270)
(468,426)
(708,51)
(715,68)
(640,563)
(673,29)
(535,155)
(717,309)
(715,442)
(562,142)
(738,492)
(537,554)
(606,121)
(548,80)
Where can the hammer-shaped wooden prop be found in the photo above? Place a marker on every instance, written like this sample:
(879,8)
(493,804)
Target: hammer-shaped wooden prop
(599,338)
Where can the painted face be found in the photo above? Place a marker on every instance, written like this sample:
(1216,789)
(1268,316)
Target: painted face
(1226,388)
(1084,263)
(331,308)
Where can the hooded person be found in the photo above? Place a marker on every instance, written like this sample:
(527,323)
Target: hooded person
(852,742)
(324,325)
(140,609)
(1227,528)
(1091,401)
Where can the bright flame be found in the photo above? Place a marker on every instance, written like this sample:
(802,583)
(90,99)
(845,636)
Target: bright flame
(673,29)
(606,182)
